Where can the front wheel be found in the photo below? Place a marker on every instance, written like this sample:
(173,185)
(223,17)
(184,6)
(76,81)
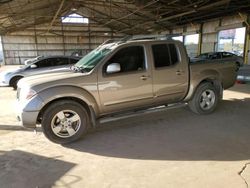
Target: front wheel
(65,121)
(205,99)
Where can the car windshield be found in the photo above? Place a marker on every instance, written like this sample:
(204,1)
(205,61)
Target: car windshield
(88,62)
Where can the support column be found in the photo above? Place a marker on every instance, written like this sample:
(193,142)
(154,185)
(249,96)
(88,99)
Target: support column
(3,48)
(89,35)
(36,45)
(200,39)
(247,42)
(63,39)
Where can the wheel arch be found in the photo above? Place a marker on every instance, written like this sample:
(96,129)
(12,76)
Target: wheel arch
(213,79)
(89,108)
(13,78)
(76,94)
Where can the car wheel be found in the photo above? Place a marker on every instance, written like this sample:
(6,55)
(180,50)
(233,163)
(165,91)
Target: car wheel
(14,81)
(205,99)
(65,121)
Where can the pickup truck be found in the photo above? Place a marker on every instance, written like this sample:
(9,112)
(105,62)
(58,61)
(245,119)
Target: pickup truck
(117,78)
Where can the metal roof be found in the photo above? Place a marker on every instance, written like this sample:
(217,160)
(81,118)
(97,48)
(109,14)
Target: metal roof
(122,16)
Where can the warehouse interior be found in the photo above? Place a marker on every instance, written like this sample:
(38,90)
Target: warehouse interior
(170,148)
(31,28)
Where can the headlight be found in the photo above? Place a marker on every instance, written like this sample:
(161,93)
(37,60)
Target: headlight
(26,93)
(3,75)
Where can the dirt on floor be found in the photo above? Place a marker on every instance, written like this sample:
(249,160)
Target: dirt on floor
(170,149)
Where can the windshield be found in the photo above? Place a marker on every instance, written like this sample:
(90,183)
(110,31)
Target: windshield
(89,61)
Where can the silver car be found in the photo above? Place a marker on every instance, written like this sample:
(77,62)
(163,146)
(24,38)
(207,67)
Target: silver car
(41,66)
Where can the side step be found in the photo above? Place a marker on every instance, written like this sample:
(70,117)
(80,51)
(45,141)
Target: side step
(139,112)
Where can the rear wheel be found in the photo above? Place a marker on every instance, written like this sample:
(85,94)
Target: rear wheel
(14,81)
(65,121)
(205,99)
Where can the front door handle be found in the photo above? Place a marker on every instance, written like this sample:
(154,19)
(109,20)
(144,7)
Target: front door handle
(144,77)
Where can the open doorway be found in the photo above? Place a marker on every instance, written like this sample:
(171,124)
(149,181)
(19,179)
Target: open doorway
(192,44)
(1,52)
(232,40)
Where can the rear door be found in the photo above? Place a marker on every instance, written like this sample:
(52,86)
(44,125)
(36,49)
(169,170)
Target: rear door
(129,88)
(170,72)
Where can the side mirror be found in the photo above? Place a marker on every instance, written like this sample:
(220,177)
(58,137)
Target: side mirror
(33,66)
(113,68)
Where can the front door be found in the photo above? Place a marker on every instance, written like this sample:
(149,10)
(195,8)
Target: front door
(131,87)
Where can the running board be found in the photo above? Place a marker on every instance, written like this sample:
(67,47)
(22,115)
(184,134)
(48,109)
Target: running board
(140,112)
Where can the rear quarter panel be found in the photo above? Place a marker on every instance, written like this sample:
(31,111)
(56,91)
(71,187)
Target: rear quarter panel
(225,73)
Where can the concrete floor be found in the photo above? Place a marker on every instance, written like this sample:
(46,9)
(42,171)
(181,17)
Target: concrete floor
(170,149)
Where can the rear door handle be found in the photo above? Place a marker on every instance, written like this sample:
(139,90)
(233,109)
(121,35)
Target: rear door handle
(144,77)
(179,72)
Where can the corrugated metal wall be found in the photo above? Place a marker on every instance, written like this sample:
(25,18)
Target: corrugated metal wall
(63,39)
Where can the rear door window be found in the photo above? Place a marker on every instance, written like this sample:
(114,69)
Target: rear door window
(165,55)
(59,61)
(73,61)
(226,55)
(44,63)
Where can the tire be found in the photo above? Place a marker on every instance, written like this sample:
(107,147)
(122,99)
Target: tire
(14,81)
(205,99)
(65,121)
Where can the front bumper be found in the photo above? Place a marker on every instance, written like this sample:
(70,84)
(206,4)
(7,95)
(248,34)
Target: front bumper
(4,80)
(28,119)
(27,113)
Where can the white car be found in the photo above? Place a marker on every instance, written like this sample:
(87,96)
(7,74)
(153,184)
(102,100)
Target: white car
(41,66)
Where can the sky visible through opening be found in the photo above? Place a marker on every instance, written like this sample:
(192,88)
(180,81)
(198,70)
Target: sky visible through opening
(75,18)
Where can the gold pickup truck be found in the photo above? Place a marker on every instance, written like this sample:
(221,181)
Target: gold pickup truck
(118,79)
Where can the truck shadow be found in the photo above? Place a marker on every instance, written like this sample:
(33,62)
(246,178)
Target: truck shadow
(177,134)
(22,169)
(17,128)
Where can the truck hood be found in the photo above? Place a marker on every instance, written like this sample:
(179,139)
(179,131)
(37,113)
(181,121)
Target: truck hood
(58,78)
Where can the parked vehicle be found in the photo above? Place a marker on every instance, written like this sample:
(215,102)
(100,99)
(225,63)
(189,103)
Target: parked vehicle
(41,66)
(221,56)
(119,79)
(243,75)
